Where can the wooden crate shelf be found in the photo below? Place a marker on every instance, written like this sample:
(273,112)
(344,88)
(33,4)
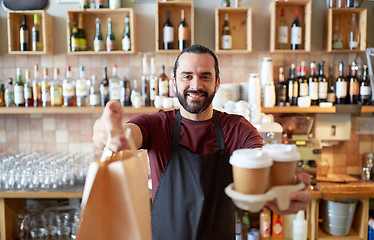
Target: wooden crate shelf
(240,22)
(305,18)
(46,31)
(175,8)
(344,16)
(118,25)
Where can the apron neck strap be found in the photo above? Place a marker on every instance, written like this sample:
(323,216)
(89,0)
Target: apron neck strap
(217,128)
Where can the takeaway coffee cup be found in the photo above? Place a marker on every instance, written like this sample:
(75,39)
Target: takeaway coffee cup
(285,157)
(251,170)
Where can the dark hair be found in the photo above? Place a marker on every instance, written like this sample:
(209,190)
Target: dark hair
(198,49)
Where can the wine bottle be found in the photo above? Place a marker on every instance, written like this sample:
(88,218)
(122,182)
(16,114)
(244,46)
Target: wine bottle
(68,89)
(226,38)
(125,92)
(100,4)
(293,86)
(331,95)
(337,39)
(37,44)
(81,88)
(27,90)
(24,35)
(183,32)
(113,4)
(365,87)
(46,94)
(313,84)
(98,41)
(341,87)
(153,82)
(110,39)
(114,85)
(83,4)
(19,98)
(353,34)
(81,35)
(104,89)
(146,99)
(36,87)
(281,90)
(94,92)
(9,94)
(56,89)
(282,31)
(74,39)
(322,82)
(163,83)
(303,81)
(354,85)
(296,32)
(168,31)
(126,39)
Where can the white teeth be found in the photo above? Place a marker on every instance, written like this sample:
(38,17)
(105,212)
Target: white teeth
(193,95)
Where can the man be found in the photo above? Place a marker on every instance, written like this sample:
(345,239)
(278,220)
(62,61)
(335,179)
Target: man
(189,153)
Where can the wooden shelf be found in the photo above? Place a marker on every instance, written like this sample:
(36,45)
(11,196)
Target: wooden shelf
(240,22)
(46,31)
(295,109)
(118,25)
(41,194)
(367,109)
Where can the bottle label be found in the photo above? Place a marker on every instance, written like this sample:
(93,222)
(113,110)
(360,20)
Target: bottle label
(36,90)
(56,96)
(322,90)
(114,91)
(28,92)
(114,4)
(365,90)
(104,92)
(313,90)
(9,97)
(82,90)
(353,44)
(226,42)
(296,33)
(331,97)
(82,44)
(94,99)
(24,36)
(126,44)
(283,34)
(67,89)
(337,44)
(35,36)
(164,88)
(153,88)
(98,45)
(46,97)
(109,45)
(303,90)
(75,44)
(341,89)
(354,88)
(183,33)
(18,95)
(168,34)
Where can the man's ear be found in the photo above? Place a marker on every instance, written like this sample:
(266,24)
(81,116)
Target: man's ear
(218,82)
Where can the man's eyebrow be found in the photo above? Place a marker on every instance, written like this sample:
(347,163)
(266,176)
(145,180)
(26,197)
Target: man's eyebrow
(206,73)
(185,72)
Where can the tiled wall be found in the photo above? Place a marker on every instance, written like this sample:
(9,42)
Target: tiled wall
(73,133)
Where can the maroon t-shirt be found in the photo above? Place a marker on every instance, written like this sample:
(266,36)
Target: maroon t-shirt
(197,136)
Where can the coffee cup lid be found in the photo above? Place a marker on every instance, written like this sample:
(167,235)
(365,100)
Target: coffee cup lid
(250,158)
(282,152)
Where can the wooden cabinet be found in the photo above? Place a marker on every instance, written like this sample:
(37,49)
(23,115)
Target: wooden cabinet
(89,19)
(305,18)
(343,17)
(175,8)
(46,33)
(240,22)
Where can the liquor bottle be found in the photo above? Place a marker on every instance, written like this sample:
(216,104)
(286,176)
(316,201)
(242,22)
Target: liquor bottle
(104,89)
(168,31)
(81,89)
(94,92)
(46,94)
(303,81)
(322,82)
(2,94)
(313,84)
(126,39)
(136,98)
(354,85)
(353,35)
(337,39)
(24,35)
(114,85)
(146,99)
(341,86)
(226,38)
(83,4)
(281,90)
(81,35)
(100,4)
(293,86)
(68,89)
(56,89)
(74,40)
(113,4)
(125,92)
(27,90)
(183,32)
(98,41)
(282,31)
(171,84)
(36,36)
(153,82)
(365,87)
(36,88)
(19,98)
(163,83)
(296,32)
(245,225)
(9,94)
(331,96)
(110,39)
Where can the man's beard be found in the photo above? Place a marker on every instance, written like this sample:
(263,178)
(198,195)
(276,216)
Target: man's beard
(197,107)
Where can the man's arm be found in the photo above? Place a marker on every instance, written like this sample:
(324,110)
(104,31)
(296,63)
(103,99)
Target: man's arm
(111,121)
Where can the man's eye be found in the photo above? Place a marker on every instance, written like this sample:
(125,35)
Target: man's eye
(186,77)
(205,78)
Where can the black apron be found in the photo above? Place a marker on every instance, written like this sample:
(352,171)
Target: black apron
(190,202)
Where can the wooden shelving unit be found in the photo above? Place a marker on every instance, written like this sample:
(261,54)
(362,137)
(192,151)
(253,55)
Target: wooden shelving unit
(175,8)
(305,18)
(295,109)
(118,25)
(46,31)
(344,17)
(240,22)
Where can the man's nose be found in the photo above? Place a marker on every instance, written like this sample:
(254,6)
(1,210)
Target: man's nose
(195,83)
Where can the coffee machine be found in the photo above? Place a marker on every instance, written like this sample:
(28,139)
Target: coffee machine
(270,132)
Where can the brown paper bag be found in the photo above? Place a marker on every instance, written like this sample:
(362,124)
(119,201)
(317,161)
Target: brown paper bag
(116,202)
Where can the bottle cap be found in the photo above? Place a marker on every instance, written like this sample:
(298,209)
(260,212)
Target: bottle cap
(250,158)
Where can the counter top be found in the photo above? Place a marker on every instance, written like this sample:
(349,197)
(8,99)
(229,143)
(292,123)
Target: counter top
(338,190)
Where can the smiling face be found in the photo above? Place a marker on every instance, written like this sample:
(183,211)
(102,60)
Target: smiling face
(196,82)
